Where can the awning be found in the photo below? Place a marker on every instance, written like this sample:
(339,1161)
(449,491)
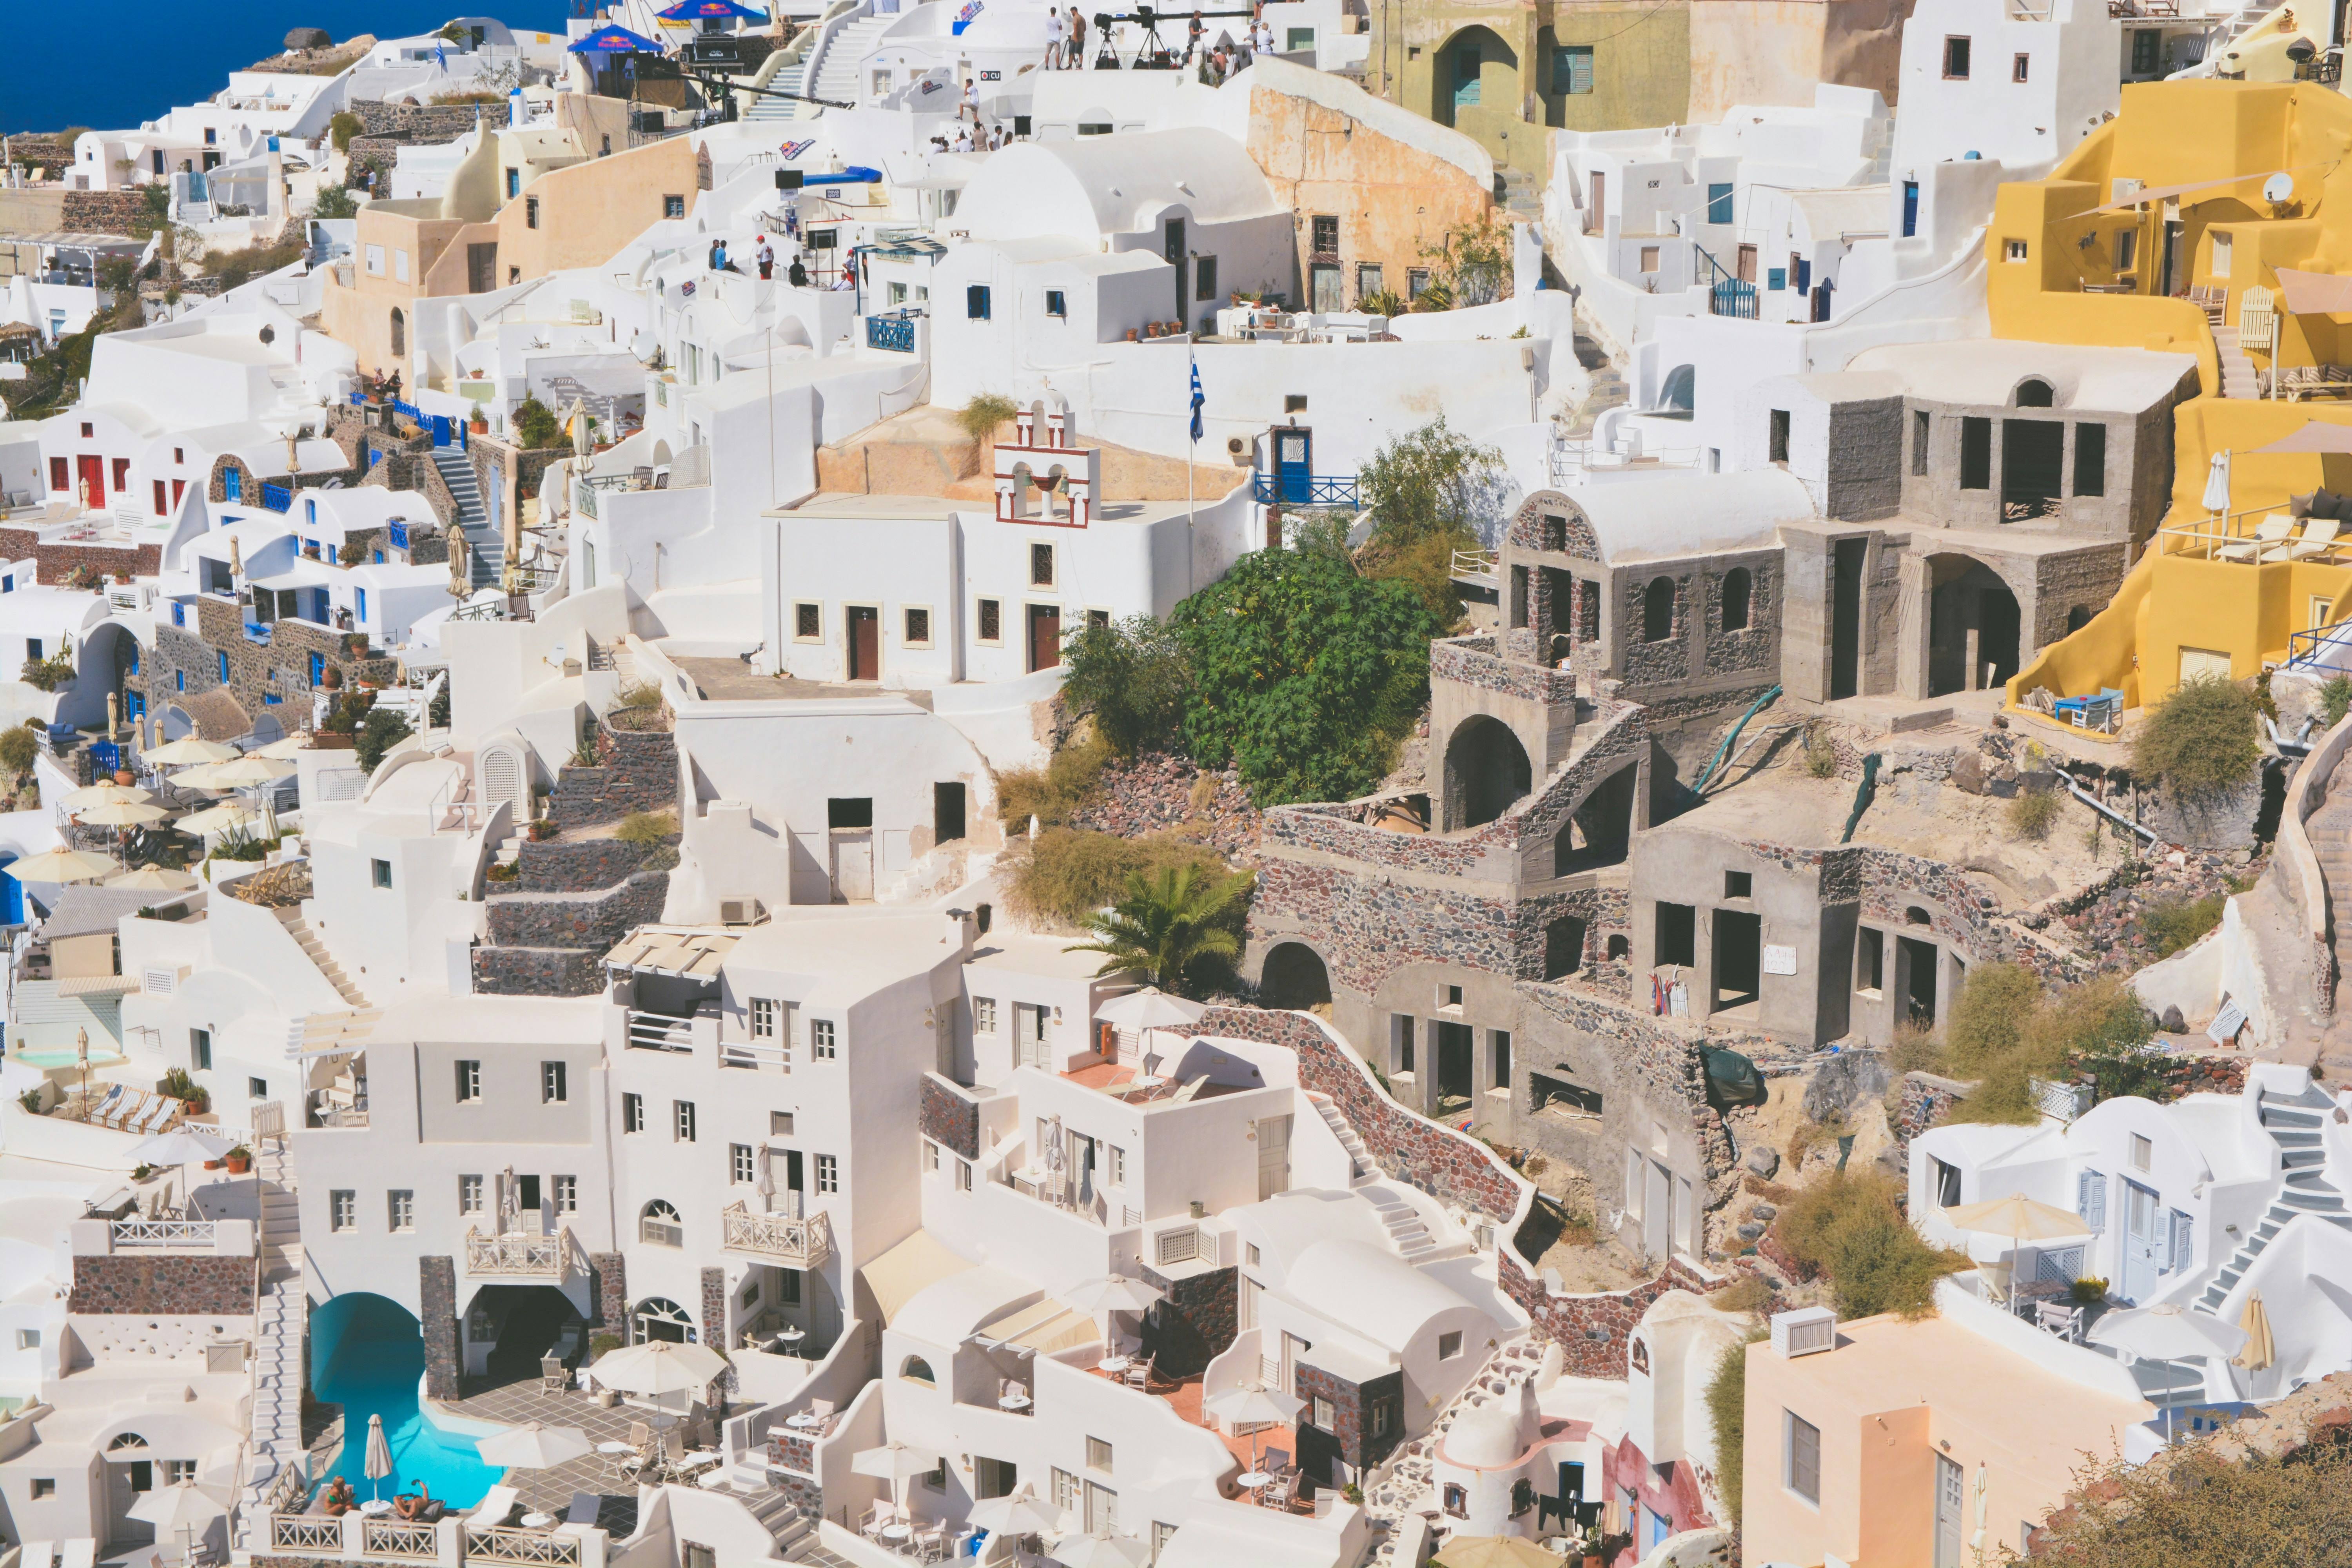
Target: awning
(97,985)
(2148,193)
(2320,435)
(1043,1326)
(693,954)
(904,1272)
(616,41)
(2315,294)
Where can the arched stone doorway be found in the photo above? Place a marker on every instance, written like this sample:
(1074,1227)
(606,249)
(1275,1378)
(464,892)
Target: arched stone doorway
(1476,71)
(1486,771)
(1973,626)
(1294,978)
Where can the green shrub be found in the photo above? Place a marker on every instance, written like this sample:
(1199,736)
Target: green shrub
(18,747)
(335,202)
(534,426)
(1069,873)
(2171,924)
(1727,1409)
(1990,1015)
(646,827)
(1820,753)
(2200,741)
(1055,792)
(1381,302)
(2032,813)
(644,694)
(46,674)
(1131,677)
(980,418)
(342,128)
(1430,482)
(2336,699)
(1849,1225)
(378,732)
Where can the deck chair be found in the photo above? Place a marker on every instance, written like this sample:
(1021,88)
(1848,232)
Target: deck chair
(81,1552)
(583,1509)
(1185,1094)
(2270,534)
(103,1107)
(2318,539)
(498,1506)
(37,1554)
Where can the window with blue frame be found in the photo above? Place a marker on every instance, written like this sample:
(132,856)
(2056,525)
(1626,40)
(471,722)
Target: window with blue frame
(271,698)
(130,666)
(310,510)
(224,668)
(179,614)
(318,668)
(318,605)
(1776,278)
(7,584)
(179,681)
(134,705)
(358,603)
(1718,203)
(379,557)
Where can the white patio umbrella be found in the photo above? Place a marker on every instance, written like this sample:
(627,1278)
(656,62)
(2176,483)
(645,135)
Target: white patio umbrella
(1112,1294)
(60,866)
(1018,1512)
(2165,1332)
(183,1146)
(200,777)
(250,771)
(120,814)
(535,1445)
(1251,1406)
(154,879)
(1099,1552)
(107,793)
(378,1462)
(217,819)
(282,750)
(659,1367)
(2018,1219)
(182,1509)
(186,750)
(897,1463)
(1150,1008)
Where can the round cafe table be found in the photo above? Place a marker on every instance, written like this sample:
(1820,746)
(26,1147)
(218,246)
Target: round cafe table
(375,1508)
(803,1422)
(897,1532)
(1252,1480)
(1014,1402)
(1113,1363)
(537,1520)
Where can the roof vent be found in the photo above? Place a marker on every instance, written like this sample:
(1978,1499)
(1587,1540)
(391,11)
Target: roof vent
(1808,1331)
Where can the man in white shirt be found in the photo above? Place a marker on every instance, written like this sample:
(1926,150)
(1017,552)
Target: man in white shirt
(1053,30)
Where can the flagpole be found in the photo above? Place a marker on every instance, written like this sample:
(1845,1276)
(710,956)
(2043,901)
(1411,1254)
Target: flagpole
(1192,449)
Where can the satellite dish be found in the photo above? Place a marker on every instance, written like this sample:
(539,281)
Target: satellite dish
(2279,188)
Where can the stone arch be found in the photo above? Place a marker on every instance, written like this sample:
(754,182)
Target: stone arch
(1486,773)
(659,1318)
(1599,828)
(399,332)
(502,770)
(1975,624)
(2033,392)
(1677,393)
(1023,484)
(1294,976)
(2077,618)
(1564,938)
(915,1369)
(1658,610)
(1738,589)
(1461,77)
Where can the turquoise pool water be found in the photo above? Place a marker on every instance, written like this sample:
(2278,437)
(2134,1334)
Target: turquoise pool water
(66,1057)
(367,1356)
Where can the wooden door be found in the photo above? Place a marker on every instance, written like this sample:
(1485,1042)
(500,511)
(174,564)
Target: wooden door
(91,481)
(865,643)
(1045,636)
(1592,210)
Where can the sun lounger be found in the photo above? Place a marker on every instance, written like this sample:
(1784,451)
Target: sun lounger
(37,1554)
(583,1509)
(2318,539)
(2270,536)
(81,1552)
(498,1506)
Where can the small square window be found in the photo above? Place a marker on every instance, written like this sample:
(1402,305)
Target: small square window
(1326,1415)
(741,1167)
(1057,304)
(1803,1451)
(342,1209)
(930,1156)
(984,1015)
(2014,249)
(780,1124)
(1098,1455)
(28,1339)
(381,868)
(975,302)
(1739,885)
(400,1207)
(531,212)
(470,1083)
(918,628)
(808,622)
(673,206)
(683,1120)
(256,1088)
(1956,60)
(567,1195)
(2143,1152)
(1449,1345)
(469,1194)
(44,1487)
(1325,233)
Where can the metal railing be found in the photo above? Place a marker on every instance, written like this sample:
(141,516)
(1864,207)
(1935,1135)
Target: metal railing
(894,334)
(503,1543)
(400,1538)
(1726,294)
(533,1256)
(277,497)
(803,1243)
(1475,563)
(754,1054)
(660,1032)
(2322,647)
(1303,489)
(124,1233)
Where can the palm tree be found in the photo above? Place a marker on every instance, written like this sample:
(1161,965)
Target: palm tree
(1167,926)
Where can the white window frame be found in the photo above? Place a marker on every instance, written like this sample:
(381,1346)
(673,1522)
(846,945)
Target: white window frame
(984,1015)
(469,1194)
(823,1042)
(682,1121)
(1790,1422)
(399,1209)
(828,1175)
(741,1167)
(469,1081)
(342,1209)
(554,1083)
(633,1113)
(567,1193)
(764,1017)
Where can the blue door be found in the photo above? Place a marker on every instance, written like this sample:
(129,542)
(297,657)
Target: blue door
(1294,465)
(2145,1233)
(12,896)
(1910,209)
(1467,63)
(441,423)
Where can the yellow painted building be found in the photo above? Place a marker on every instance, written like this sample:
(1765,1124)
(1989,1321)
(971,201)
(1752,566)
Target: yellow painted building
(2168,229)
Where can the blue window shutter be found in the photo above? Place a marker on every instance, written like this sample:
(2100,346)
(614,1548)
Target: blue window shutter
(224,668)
(1775,278)
(1804,273)
(1718,203)
(359,596)
(179,681)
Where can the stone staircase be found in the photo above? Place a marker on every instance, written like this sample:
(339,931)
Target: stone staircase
(1515,189)
(316,951)
(1361,1166)
(280,1330)
(2237,371)
(2294,1122)
(485,552)
(1402,1483)
(786,80)
(1606,390)
(844,55)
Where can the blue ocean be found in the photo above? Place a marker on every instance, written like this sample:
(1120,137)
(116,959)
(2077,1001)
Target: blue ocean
(111,66)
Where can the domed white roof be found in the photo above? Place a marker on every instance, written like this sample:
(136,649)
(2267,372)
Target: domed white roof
(1493,1436)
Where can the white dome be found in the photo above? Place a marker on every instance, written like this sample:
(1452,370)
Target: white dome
(1485,1438)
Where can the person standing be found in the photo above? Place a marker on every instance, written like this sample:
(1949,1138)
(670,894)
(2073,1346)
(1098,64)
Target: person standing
(1052,39)
(1261,35)
(767,258)
(971,100)
(1193,35)
(1078,40)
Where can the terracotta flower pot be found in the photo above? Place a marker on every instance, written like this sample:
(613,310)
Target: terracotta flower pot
(125,777)
(239,1168)
(212,1164)
(333,680)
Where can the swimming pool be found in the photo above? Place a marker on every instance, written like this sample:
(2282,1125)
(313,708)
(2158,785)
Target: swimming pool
(66,1057)
(368,1357)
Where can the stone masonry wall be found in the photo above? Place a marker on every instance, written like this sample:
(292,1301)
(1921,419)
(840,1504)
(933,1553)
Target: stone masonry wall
(1351,1403)
(424,124)
(636,771)
(436,1315)
(947,1119)
(201,1284)
(1196,1323)
(55,564)
(591,920)
(612,1271)
(577,866)
(538,972)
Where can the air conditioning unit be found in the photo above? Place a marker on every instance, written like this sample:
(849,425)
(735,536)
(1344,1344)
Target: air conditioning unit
(1808,1331)
(740,912)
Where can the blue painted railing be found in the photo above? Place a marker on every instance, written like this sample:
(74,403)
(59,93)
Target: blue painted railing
(257,632)
(1303,489)
(895,333)
(398,532)
(2324,648)
(277,497)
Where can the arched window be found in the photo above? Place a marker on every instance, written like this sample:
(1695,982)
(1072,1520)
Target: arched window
(660,1318)
(126,1440)
(2033,393)
(1658,610)
(660,1225)
(2077,618)
(399,333)
(1735,584)
(1621,947)
(1675,395)
(915,1369)
(1914,915)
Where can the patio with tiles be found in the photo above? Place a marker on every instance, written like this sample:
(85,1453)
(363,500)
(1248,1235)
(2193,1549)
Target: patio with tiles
(551,1491)
(1184,1398)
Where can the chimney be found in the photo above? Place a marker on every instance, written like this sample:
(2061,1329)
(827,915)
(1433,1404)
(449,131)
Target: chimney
(961,930)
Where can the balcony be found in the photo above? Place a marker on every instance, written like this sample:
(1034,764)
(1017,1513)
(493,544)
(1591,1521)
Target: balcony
(186,1234)
(1293,489)
(894,334)
(519,1256)
(353,1537)
(778,1238)
(660,1032)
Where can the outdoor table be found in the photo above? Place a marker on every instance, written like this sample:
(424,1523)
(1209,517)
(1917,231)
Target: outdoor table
(537,1520)
(375,1508)
(803,1422)
(1014,1402)
(1113,1363)
(1251,1481)
(898,1532)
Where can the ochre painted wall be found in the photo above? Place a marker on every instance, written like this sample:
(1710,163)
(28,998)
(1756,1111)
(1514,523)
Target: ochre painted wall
(1775,52)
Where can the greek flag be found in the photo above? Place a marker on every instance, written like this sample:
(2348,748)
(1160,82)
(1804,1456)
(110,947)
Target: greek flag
(439,58)
(1197,400)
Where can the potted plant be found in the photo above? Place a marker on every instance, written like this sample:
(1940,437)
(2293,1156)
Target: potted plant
(240,1160)
(212,1164)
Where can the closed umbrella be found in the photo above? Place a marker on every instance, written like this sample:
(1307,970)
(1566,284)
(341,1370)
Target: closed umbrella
(2261,1349)
(2217,483)
(535,1445)
(378,1463)
(59,865)
(1495,1551)
(1017,1513)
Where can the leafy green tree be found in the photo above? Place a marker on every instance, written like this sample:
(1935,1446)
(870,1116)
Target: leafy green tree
(1427,491)
(1131,677)
(1305,674)
(1177,929)
(534,424)
(2215,1500)
(335,202)
(382,730)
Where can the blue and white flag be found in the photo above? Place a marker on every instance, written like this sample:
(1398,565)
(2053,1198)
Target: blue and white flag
(1197,400)
(439,58)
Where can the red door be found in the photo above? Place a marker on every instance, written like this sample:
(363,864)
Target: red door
(1045,636)
(93,486)
(865,643)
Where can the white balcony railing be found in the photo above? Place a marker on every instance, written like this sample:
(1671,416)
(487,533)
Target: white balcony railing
(306,1533)
(401,1539)
(755,1053)
(660,1032)
(800,1243)
(519,1256)
(501,1545)
(159,1233)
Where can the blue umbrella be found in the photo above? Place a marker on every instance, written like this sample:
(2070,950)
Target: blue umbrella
(616,41)
(704,10)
